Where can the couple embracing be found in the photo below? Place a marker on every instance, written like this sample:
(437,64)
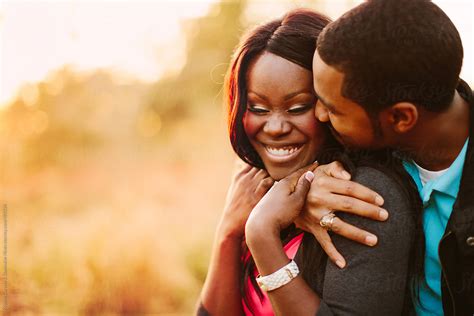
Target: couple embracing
(383,222)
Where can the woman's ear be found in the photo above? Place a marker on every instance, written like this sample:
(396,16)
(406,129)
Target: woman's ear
(402,117)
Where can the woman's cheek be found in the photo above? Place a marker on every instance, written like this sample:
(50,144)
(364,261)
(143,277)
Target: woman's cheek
(311,126)
(252,124)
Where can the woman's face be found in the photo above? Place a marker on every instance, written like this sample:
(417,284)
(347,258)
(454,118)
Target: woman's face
(280,121)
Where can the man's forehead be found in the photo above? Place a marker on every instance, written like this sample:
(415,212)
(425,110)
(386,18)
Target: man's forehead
(327,80)
(323,70)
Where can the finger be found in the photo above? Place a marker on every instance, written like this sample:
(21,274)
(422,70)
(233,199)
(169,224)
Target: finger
(304,184)
(325,241)
(312,167)
(252,172)
(336,169)
(351,232)
(260,174)
(263,186)
(296,175)
(242,166)
(349,205)
(302,187)
(349,188)
(300,223)
(293,178)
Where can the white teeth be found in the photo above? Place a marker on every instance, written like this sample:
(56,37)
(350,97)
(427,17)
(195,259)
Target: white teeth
(282,151)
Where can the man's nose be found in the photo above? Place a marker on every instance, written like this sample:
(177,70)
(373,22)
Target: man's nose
(277,125)
(321,112)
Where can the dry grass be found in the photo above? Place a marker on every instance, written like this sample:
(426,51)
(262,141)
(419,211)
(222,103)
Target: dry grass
(123,231)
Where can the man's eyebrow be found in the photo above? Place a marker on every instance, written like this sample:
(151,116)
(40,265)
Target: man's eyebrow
(328,105)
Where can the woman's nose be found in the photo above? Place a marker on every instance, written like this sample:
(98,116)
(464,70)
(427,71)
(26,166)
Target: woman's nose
(277,125)
(321,112)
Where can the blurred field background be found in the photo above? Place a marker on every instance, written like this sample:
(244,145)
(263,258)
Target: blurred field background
(114,158)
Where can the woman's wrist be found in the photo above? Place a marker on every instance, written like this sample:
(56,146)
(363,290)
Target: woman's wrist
(266,247)
(261,233)
(228,231)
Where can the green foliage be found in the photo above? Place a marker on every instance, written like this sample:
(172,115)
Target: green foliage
(210,41)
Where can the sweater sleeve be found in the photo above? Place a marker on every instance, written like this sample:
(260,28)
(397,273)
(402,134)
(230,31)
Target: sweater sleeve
(374,279)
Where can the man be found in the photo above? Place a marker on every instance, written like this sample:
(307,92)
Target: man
(387,75)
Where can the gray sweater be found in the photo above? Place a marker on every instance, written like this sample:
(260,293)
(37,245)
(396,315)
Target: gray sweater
(374,279)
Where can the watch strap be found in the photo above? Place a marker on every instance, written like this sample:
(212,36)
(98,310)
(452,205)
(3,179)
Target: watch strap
(278,278)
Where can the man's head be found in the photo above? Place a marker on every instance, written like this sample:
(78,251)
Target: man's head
(382,64)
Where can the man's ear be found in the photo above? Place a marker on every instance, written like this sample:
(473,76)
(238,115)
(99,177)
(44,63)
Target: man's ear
(401,117)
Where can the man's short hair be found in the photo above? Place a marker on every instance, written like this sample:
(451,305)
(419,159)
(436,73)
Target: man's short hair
(394,51)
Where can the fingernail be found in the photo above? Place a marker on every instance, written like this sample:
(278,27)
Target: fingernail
(371,240)
(383,214)
(341,264)
(346,175)
(309,176)
(379,200)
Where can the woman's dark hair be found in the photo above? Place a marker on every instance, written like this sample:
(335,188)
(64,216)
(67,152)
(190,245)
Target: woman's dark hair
(394,51)
(293,37)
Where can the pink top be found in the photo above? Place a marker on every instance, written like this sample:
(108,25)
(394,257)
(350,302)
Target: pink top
(263,307)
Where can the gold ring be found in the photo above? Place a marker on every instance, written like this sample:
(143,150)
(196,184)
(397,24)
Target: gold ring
(327,220)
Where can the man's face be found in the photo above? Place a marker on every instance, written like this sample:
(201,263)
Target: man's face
(349,122)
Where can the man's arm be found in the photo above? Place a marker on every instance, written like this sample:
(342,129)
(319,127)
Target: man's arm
(374,279)
(331,190)
(372,283)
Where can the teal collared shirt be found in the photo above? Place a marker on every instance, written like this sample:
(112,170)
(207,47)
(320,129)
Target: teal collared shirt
(438,196)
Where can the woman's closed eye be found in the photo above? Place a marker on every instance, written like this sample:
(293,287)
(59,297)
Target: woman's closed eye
(257,109)
(300,108)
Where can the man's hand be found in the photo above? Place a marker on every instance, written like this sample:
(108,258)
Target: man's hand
(332,190)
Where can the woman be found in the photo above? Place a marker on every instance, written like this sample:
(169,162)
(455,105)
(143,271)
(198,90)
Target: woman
(273,128)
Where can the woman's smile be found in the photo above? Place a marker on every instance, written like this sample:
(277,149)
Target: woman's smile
(280,122)
(282,153)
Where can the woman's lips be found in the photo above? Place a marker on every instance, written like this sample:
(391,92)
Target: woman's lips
(282,154)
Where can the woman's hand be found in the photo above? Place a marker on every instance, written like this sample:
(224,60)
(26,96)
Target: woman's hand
(282,204)
(248,186)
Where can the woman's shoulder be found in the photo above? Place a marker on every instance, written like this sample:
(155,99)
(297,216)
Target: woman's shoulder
(374,174)
(389,184)
(398,201)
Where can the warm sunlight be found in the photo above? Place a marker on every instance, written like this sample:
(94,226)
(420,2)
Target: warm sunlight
(139,38)
(142,39)
(115,158)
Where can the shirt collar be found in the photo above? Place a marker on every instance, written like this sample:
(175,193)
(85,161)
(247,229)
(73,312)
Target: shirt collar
(449,182)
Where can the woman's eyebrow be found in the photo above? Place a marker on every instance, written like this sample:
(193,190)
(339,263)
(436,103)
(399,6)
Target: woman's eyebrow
(259,95)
